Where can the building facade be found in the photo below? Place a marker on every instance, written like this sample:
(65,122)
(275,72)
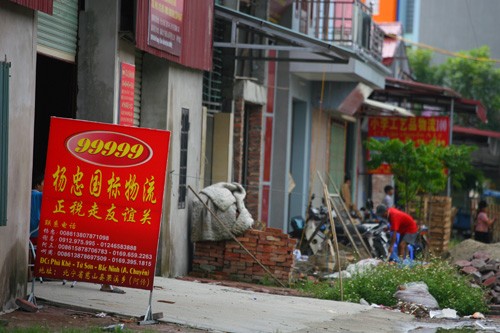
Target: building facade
(293,123)
(68,59)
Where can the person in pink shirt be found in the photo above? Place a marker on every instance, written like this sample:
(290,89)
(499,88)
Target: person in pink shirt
(482,223)
(401,223)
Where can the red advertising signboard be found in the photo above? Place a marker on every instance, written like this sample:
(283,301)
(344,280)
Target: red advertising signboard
(102,203)
(417,129)
(127,87)
(164,25)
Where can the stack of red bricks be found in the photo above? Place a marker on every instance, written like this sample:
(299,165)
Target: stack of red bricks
(227,260)
(485,271)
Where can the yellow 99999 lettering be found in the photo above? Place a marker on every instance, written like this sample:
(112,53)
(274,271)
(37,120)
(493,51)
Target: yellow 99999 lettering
(109,148)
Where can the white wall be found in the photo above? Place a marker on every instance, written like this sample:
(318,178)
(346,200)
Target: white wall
(184,91)
(17,44)
(167,88)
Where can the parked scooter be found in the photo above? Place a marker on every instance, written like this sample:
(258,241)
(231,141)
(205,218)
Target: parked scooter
(310,233)
(313,232)
(377,237)
(414,251)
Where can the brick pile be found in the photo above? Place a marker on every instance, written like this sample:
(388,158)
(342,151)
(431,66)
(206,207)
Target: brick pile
(485,272)
(227,260)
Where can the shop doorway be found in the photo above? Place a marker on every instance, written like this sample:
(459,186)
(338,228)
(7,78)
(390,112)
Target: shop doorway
(299,161)
(55,96)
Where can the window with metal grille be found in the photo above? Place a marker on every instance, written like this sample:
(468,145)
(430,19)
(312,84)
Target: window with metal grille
(409,16)
(212,81)
(184,156)
(4,138)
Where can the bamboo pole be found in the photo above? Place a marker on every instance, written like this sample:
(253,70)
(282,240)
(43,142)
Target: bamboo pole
(350,219)
(335,241)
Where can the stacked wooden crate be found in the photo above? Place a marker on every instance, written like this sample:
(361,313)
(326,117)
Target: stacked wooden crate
(438,219)
(494,213)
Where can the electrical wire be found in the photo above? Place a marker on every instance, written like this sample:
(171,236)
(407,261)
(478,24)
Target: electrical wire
(442,51)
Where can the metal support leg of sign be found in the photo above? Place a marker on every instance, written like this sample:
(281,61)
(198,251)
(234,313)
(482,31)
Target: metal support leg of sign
(31,264)
(31,296)
(149,318)
(28,303)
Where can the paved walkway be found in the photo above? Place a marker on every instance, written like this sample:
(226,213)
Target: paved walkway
(226,309)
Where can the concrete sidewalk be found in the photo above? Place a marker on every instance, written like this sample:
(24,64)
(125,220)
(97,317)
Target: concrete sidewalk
(225,309)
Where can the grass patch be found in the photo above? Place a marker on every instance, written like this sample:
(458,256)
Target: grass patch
(449,288)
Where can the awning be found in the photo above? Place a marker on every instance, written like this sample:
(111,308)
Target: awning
(386,107)
(406,92)
(477,106)
(476,132)
(351,104)
(359,96)
(278,38)
(45,6)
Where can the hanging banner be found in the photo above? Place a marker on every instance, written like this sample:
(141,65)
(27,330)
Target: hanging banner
(102,203)
(127,90)
(416,129)
(164,25)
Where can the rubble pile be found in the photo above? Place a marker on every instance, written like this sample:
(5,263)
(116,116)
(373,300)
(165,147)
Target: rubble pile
(485,271)
(465,249)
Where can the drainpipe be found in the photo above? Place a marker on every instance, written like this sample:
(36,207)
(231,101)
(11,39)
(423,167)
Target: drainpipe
(448,192)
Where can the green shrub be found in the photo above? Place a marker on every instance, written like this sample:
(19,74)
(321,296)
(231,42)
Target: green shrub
(449,288)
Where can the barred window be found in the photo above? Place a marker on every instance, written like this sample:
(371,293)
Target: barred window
(183,160)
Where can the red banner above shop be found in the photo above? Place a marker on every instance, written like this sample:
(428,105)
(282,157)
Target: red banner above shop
(127,91)
(102,203)
(416,129)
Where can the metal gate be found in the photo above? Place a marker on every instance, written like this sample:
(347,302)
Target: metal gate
(138,87)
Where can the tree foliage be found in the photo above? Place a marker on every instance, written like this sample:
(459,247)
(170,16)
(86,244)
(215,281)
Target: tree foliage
(421,169)
(472,74)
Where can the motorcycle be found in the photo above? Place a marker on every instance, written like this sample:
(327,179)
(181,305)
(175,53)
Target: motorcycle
(377,237)
(310,233)
(317,229)
(418,250)
(381,242)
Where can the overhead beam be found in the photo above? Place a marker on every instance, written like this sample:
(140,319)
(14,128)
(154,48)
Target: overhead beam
(283,39)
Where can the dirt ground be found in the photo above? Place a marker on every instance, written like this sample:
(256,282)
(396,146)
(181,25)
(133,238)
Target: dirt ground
(54,318)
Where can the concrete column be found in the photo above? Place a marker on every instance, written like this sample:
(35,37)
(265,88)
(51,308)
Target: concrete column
(98,61)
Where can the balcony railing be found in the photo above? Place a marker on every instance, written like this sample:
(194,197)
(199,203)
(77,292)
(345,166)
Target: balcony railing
(342,22)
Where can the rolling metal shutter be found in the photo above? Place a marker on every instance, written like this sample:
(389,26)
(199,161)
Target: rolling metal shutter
(57,33)
(138,87)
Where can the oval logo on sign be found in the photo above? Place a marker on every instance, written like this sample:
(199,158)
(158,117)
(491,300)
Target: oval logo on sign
(111,149)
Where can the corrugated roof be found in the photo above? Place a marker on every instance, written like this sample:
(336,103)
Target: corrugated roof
(45,6)
(406,91)
(476,131)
